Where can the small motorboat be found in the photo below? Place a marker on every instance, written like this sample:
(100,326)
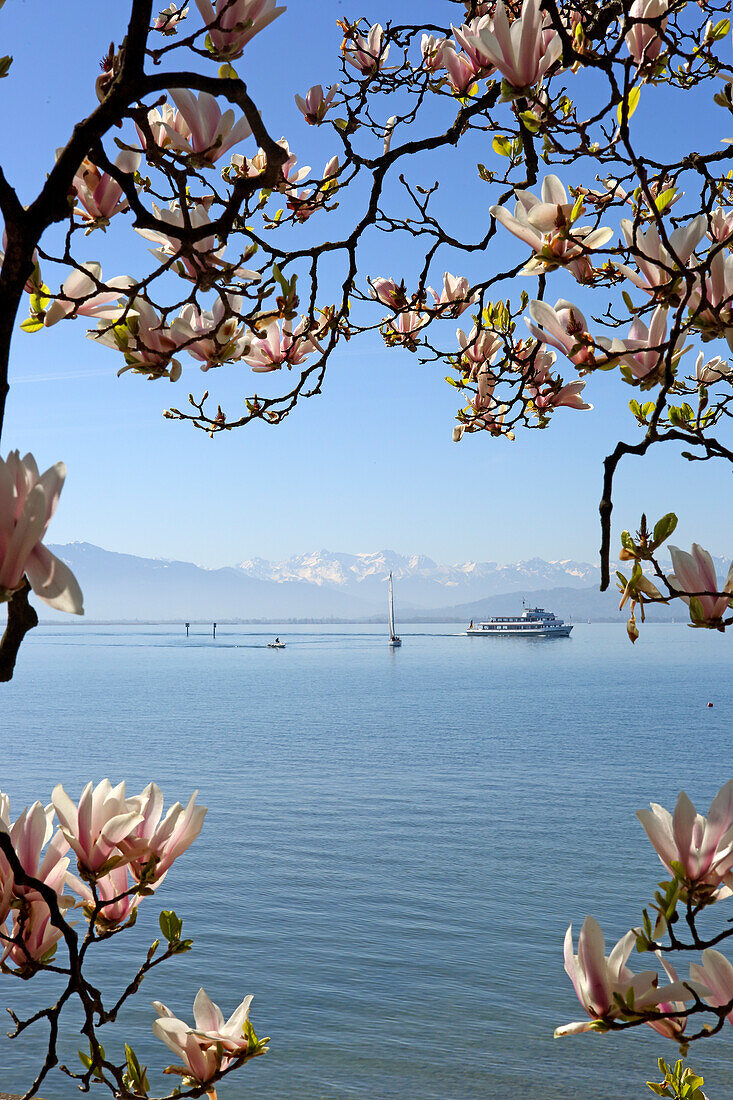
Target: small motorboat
(277,644)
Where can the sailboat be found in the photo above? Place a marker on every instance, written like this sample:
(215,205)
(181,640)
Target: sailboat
(393,639)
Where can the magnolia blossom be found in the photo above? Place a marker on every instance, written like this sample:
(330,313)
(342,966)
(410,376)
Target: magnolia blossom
(304,203)
(716,974)
(144,339)
(711,301)
(366,54)
(479,347)
(461,70)
(161,120)
(195,259)
(80,295)
(702,845)
(454,298)
(596,978)
(489,419)
(469,40)
(280,345)
(94,828)
(32,930)
(403,328)
(563,327)
(212,1044)
(210,133)
(694,578)
(524,50)
(643,40)
(316,104)
(388,292)
(116,905)
(547,392)
(34,936)
(100,196)
(721,224)
(432,52)
(712,371)
(27,503)
(212,336)
(659,267)
(234,23)
(674,1026)
(644,352)
(546,224)
(161,842)
(169,19)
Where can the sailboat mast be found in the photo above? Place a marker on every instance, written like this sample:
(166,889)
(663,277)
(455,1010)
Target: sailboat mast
(391,608)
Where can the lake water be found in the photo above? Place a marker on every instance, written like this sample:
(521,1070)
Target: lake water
(396,841)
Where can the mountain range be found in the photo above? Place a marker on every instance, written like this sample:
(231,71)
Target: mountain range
(328,585)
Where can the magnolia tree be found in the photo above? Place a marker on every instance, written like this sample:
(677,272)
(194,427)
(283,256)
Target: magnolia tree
(257,263)
(122,848)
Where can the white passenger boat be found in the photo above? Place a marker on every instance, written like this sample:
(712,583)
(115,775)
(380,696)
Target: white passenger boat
(534,622)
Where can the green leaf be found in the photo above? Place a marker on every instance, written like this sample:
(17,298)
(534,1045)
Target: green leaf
(31,324)
(664,527)
(632,102)
(665,198)
(227,72)
(627,542)
(635,408)
(502,145)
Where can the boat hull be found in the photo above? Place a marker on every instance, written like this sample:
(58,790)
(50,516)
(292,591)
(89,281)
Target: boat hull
(521,632)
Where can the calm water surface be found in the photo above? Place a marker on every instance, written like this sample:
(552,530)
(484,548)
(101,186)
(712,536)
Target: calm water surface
(396,841)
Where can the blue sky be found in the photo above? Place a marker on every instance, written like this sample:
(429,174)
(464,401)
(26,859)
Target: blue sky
(369,464)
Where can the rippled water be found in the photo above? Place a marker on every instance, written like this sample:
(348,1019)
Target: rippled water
(396,841)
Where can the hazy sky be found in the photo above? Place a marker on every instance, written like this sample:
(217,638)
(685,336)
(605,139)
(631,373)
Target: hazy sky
(369,464)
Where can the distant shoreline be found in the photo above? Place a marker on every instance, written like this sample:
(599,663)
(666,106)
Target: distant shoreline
(382,621)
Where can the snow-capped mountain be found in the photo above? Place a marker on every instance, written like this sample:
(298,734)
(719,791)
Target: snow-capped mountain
(421,582)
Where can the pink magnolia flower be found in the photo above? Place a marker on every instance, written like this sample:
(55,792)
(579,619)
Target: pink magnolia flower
(144,339)
(703,846)
(658,267)
(316,104)
(547,392)
(100,196)
(215,337)
(160,121)
(34,936)
(643,39)
(95,827)
(212,1044)
(306,202)
(712,371)
(27,503)
(168,20)
(117,905)
(280,345)
(716,974)
(388,292)
(711,301)
(596,978)
(432,52)
(210,133)
(201,256)
(80,295)
(455,298)
(524,50)
(546,225)
(491,419)
(468,38)
(674,1026)
(461,70)
(404,328)
(479,347)
(694,578)
(160,841)
(234,23)
(564,328)
(721,224)
(644,351)
(366,54)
